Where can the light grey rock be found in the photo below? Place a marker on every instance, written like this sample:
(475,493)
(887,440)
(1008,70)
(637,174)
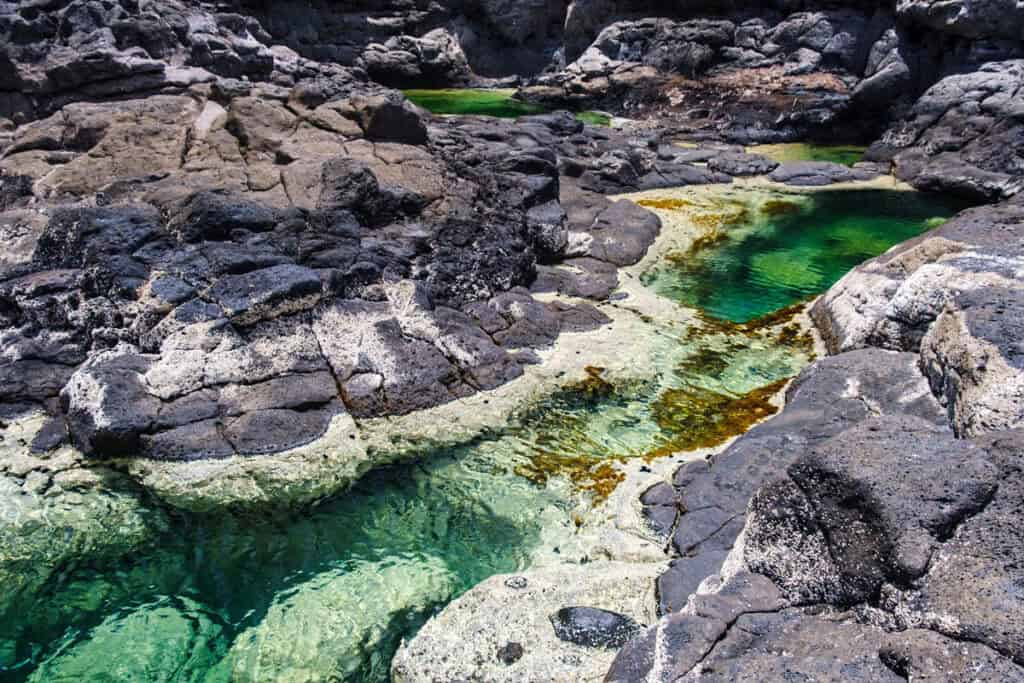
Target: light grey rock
(975,362)
(892,301)
(463,641)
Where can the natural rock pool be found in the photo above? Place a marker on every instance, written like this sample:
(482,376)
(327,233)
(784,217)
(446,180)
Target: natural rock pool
(848,155)
(499,102)
(766,252)
(328,594)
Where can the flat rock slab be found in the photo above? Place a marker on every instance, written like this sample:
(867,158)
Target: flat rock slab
(470,639)
(817,174)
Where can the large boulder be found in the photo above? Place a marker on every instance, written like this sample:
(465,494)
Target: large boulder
(866,507)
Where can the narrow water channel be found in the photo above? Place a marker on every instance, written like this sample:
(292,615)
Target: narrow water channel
(328,594)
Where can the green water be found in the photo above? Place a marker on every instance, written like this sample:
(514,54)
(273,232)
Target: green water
(780,256)
(847,155)
(498,103)
(328,593)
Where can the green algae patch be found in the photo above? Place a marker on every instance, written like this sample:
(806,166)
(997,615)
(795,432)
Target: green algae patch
(469,101)
(595,118)
(499,103)
(847,155)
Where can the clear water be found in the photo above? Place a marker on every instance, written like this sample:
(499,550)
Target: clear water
(792,247)
(327,594)
(847,155)
(497,103)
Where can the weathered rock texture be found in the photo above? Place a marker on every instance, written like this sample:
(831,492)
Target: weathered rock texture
(876,507)
(782,71)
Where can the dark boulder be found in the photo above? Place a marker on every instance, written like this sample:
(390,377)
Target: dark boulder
(592,627)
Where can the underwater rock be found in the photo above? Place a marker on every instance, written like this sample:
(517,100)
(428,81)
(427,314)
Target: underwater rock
(315,631)
(161,641)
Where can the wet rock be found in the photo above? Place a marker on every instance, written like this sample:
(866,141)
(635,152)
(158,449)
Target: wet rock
(593,627)
(309,631)
(154,637)
(57,508)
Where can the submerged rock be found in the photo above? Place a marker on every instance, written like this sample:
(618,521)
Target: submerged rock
(319,629)
(172,638)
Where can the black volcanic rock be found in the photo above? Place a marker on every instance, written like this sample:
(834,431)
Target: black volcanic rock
(592,627)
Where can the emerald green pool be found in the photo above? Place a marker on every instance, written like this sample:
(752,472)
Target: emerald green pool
(792,247)
(497,103)
(848,155)
(327,594)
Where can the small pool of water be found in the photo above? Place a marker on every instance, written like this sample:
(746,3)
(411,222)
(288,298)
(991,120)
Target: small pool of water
(498,103)
(767,251)
(328,593)
(848,155)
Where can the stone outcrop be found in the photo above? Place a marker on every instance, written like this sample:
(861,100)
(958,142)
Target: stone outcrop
(227,240)
(788,71)
(964,135)
(875,505)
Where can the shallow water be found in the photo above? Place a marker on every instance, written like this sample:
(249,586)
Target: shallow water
(790,247)
(848,155)
(328,594)
(498,103)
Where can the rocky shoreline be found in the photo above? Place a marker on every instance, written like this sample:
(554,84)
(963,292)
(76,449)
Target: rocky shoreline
(240,272)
